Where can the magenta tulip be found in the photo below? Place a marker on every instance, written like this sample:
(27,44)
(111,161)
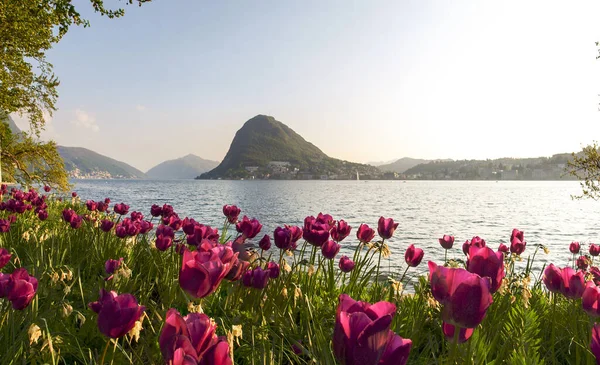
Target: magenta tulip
(20,288)
(446,241)
(503,248)
(475,241)
(231,212)
(574,247)
(485,262)
(74,194)
(145,227)
(249,228)
(4,225)
(464,295)
(296,233)
(47,188)
(106,225)
(346,265)
(595,342)
(594,250)
(517,242)
(552,278)
(91,205)
(361,331)
(110,266)
(76,221)
(315,231)
(117,314)
(188,225)
(396,351)
(218,354)
(202,272)
(582,263)
(265,243)
(238,268)
(155,210)
(4,257)
(121,208)
(413,256)
(274,270)
(340,231)
(330,249)
(42,215)
(517,234)
(247,279)
(386,227)
(573,283)
(365,234)
(101,207)
(590,299)
(67,214)
(162,243)
(463,335)
(260,278)
(283,238)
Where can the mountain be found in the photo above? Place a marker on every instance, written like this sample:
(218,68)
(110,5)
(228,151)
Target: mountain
(84,163)
(187,167)
(267,148)
(12,125)
(401,165)
(380,163)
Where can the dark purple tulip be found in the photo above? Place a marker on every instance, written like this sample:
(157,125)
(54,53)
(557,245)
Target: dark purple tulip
(167,210)
(485,262)
(4,225)
(101,207)
(145,227)
(503,248)
(174,222)
(273,269)
(447,241)
(282,238)
(330,249)
(238,268)
(464,295)
(155,210)
(76,221)
(231,212)
(386,227)
(163,242)
(249,228)
(346,265)
(247,278)
(265,243)
(552,278)
(595,342)
(361,331)
(463,335)
(74,194)
(136,216)
(121,231)
(4,257)
(218,354)
(91,205)
(117,314)
(42,215)
(396,351)
(188,225)
(47,188)
(106,200)
(296,233)
(594,249)
(110,266)
(574,247)
(67,214)
(202,272)
(106,225)
(340,231)
(21,288)
(3,284)
(315,232)
(260,278)
(582,263)
(413,256)
(166,231)
(121,208)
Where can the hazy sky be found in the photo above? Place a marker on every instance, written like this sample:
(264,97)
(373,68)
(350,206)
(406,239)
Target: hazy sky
(363,80)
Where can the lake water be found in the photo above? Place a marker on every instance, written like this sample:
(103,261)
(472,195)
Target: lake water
(425,210)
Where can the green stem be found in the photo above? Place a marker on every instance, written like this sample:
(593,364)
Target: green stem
(104,353)
(379,264)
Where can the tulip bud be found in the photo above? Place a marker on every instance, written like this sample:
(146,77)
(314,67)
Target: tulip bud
(386,227)
(346,265)
(330,249)
(574,247)
(413,256)
(446,242)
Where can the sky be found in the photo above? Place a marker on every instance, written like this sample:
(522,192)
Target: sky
(362,80)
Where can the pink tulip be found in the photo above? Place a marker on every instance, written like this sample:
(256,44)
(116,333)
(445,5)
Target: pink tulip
(574,247)
(595,342)
(340,231)
(485,262)
(463,335)
(218,354)
(475,241)
(590,299)
(446,241)
(330,249)
(365,234)
(386,227)
(274,270)
(464,295)
(552,278)
(76,221)
(413,256)
(202,272)
(573,283)
(106,225)
(231,212)
(4,225)
(238,268)
(91,205)
(315,231)
(4,257)
(503,248)
(121,208)
(155,210)
(20,288)
(249,228)
(117,314)
(594,250)
(396,351)
(110,266)
(582,263)
(346,265)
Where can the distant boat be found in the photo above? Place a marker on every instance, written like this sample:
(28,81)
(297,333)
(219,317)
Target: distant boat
(357,177)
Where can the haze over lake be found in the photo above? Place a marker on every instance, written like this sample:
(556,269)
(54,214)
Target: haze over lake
(425,210)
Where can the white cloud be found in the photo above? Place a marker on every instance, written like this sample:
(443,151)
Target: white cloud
(140,108)
(85,120)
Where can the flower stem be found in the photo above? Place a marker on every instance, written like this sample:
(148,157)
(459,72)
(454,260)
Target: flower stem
(104,353)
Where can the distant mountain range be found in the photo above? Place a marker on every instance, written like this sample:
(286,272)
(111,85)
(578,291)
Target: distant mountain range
(187,167)
(83,163)
(267,148)
(402,164)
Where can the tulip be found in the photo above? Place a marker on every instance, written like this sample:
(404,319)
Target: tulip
(167,210)
(446,241)
(340,231)
(265,243)
(162,242)
(110,266)
(231,212)
(67,214)
(4,225)
(91,205)
(552,278)
(296,233)
(247,278)
(517,246)
(330,249)
(201,234)
(74,194)
(196,330)
(315,232)
(361,331)
(117,314)
(595,342)
(106,200)
(101,207)
(464,295)
(590,299)
(4,257)
(475,241)
(574,247)
(582,263)
(517,234)
(146,226)
(76,221)
(47,188)
(573,283)
(386,227)
(217,354)
(4,278)
(121,208)
(274,270)
(136,216)
(503,248)
(413,256)
(346,265)
(365,234)
(396,351)
(463,335)
(282,238)
(155,210)
(174,222)
(42,215)
(106,225)
(188,225)
(238,268)
(594,249)
(121,231)
(202,272)
(485,262)
(20,288)
(249,228)
(260,278)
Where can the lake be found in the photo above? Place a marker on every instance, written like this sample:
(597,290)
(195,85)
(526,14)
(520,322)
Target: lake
(426,210)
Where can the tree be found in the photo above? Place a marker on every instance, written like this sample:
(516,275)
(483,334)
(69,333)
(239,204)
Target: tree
(585,166)
(29,28)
